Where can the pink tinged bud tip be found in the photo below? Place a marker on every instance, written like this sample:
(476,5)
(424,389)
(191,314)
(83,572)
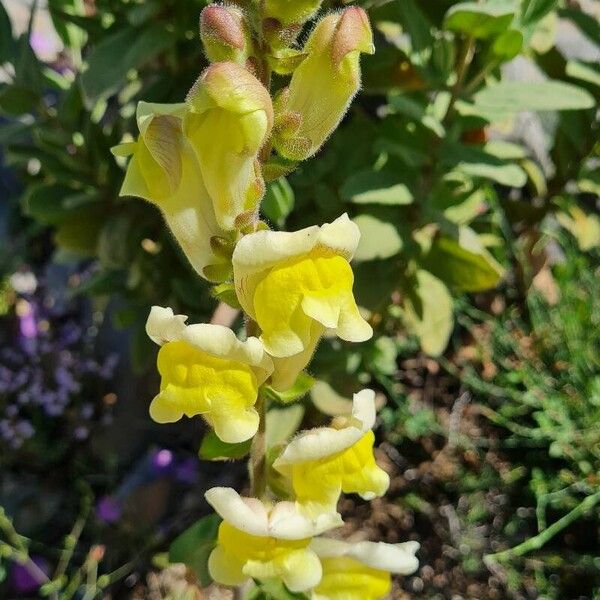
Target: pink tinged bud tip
(353,34)
(222,24)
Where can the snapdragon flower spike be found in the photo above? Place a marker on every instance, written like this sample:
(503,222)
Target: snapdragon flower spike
(362,570)
(296,286)
(323,462)
(205,370)
(265,541)
(229,117)
(291,12)
(323,85)
(164,170)
(225,34)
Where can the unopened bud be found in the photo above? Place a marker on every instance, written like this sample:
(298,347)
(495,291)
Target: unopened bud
(323,85)
(225,34)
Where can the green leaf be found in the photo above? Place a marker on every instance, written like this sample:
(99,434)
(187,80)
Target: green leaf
(509,97)
(419,29)
(194,545)
(583,227)
(379,238)
(463,264)
(533,11)
(301,387)
(111,60)
(585,71)
(507,45)
(225,292)
(212,448)
(375,187)
(428,312)
(278,202)
(282,423)
(480,20)
(476,162)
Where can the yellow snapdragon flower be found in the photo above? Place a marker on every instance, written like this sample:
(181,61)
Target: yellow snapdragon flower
(362,570)
(164,170)
(205,370)
(228,119)
(296,286)
(323,85)
(324,462)
(264,541)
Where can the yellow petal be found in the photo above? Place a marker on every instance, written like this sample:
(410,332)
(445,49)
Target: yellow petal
(165,171)
(225,569)
(347,579)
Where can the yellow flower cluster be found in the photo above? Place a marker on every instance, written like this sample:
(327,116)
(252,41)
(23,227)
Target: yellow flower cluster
(201,162)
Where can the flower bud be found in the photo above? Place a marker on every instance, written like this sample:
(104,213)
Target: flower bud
(291,12)
(229,118)
(323,85)
(164,170)
(225,34)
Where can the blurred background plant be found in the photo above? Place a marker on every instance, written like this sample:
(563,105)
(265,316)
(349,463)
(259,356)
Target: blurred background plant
(470,162)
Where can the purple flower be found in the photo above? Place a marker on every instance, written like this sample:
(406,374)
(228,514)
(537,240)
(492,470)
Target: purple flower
(161,461)
(22,580)
(108,509)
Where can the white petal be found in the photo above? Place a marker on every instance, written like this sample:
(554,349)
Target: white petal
(394,558)
(163,326)
(325,441)
(283,521)
(246,514)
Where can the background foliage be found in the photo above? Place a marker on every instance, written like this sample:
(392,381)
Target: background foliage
(470,162)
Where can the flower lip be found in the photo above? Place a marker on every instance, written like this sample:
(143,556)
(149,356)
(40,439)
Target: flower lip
(257,252)
(394,558)
(281,521)
(325,441)
(163,326)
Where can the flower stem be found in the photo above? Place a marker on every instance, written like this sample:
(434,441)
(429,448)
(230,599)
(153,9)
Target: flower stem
(258,464)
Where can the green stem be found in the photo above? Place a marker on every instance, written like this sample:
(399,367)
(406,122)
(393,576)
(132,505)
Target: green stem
(462,65)
(258,474)
(538,541)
